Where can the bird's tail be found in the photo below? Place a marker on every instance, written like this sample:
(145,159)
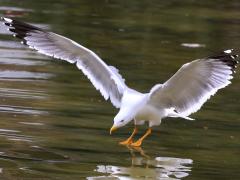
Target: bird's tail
(173,113)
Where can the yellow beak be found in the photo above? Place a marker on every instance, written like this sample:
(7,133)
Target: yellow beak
(113,128)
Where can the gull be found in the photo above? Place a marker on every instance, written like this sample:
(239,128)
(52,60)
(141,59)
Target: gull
(181,95)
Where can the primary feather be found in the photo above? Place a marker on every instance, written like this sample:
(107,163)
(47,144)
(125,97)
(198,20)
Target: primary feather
(194,83)
(105,78)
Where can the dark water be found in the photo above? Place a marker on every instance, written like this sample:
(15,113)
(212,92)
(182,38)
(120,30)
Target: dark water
(55,125)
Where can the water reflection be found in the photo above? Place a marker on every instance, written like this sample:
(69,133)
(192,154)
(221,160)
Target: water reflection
(23,75)
(24,94)
(144,166)
(193,45)
(20,110)
(9,8)
(14,135)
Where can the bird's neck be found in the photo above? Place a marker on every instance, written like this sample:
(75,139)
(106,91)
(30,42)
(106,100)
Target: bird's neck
(132,102)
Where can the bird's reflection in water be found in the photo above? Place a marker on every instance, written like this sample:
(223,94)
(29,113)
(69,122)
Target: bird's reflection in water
(146,167)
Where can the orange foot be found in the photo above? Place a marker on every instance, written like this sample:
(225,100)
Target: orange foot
(138,143)
(126,142)
(129,140)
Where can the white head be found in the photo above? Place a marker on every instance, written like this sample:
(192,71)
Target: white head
(131,103)
(123,117)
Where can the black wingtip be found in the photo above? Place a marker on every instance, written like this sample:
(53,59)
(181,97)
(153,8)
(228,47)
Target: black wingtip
(228,57)
(18,28)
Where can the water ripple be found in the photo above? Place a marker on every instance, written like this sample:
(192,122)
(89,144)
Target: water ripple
(10,8)
(8,130)
(157,168)
(32,123)
(20,93)
(193,45)
(144,166)
(23,75)
(23,62)
(20,110)
(14,135)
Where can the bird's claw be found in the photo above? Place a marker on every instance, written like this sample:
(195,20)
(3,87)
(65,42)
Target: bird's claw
(126,142)
(137,143)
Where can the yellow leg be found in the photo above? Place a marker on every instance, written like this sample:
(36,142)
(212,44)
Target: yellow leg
(139,141)
(129,140)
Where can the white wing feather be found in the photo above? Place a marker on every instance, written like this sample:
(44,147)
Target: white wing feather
(194,83)
(105,78)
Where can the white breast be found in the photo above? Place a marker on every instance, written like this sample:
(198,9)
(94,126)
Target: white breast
(151,114)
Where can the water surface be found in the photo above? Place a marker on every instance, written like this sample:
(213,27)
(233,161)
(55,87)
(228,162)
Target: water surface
(55,125)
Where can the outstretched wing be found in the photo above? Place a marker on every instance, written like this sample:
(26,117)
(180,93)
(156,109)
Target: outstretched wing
(105,78)
(194,83)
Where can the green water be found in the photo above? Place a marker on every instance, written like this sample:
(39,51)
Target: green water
(55,125)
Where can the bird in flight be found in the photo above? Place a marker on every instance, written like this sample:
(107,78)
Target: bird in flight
(183,94)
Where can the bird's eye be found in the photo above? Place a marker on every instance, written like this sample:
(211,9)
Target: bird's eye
(122,121)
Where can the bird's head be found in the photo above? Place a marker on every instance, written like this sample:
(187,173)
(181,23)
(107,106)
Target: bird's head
(132,102)
(121,119)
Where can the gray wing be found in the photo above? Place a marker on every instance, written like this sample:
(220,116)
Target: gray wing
(194,83)
(105,78)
